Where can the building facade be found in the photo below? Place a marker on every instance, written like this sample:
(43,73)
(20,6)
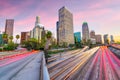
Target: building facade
(25,36)
(98,39)
(77,37)
(1,40)
(65,27)
(111,39)
(85,32)
(106,40)
(9,27)
(57,28)
(92,34)
(37,30)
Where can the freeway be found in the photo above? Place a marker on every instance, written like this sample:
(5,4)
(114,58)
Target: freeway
(60,57)
(23,67)
(65,54)
(104,66)
(64,69)
(94,64)
(98,63)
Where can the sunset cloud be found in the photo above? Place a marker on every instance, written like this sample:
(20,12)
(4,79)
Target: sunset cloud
(101,15)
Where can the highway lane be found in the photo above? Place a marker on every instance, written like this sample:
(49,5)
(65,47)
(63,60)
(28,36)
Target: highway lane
(107,68)
(88,65)
(94,75)
(62,55)
(87,56)
(8,53)
(64,70)
(15,57)
(114,63)
(25,68)
(102,65)
(65,54)
(64,58)
(84,72)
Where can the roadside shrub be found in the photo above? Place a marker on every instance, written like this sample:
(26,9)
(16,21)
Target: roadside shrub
(1,49)
(31,44)
(71,45)
(10,46)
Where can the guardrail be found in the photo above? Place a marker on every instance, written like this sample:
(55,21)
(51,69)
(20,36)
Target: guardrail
(44,75)
(115,46)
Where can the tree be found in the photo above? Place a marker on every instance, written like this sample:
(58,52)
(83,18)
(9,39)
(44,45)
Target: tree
(11,38)
(89,43)
(76,40)
(17,37)
(107,41)
(5,37)
(31,44)
(47,44)
(49,34)
(43,41)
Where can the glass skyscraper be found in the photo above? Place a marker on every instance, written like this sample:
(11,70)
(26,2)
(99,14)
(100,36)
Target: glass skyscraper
(85,31)
(77,36)
(1,40)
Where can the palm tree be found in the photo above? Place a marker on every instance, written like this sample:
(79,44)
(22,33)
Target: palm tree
(5,37)
(11,38)
(17,37)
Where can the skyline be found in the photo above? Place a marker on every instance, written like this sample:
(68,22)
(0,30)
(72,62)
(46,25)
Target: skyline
(100,15)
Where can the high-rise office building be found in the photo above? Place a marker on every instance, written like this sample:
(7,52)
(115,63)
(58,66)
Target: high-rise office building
(98,38)
(111,39)
(77,36)
(37,30)
(25,36)
(92,34)
(106,40)
(9,27)
(1,39)
(65,29)
(85,31)
(57,28)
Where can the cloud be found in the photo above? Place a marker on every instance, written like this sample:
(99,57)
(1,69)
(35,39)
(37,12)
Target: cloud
(98,13)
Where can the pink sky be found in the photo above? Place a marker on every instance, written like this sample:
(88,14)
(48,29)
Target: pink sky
(103,16)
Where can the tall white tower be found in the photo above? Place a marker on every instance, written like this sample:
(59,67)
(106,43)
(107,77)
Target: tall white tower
(37,20)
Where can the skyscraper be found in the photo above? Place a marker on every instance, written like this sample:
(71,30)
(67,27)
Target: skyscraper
(85,31)
(77,36)
(65,29)
(9,27)
(37,30)
(25,36)
(106,40)
(98,38)
(1,39)
(111,39)
(92,34)
(57,28)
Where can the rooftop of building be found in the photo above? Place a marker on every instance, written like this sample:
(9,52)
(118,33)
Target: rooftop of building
(77,32)
(64,7)
(84,22)
(40,25)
